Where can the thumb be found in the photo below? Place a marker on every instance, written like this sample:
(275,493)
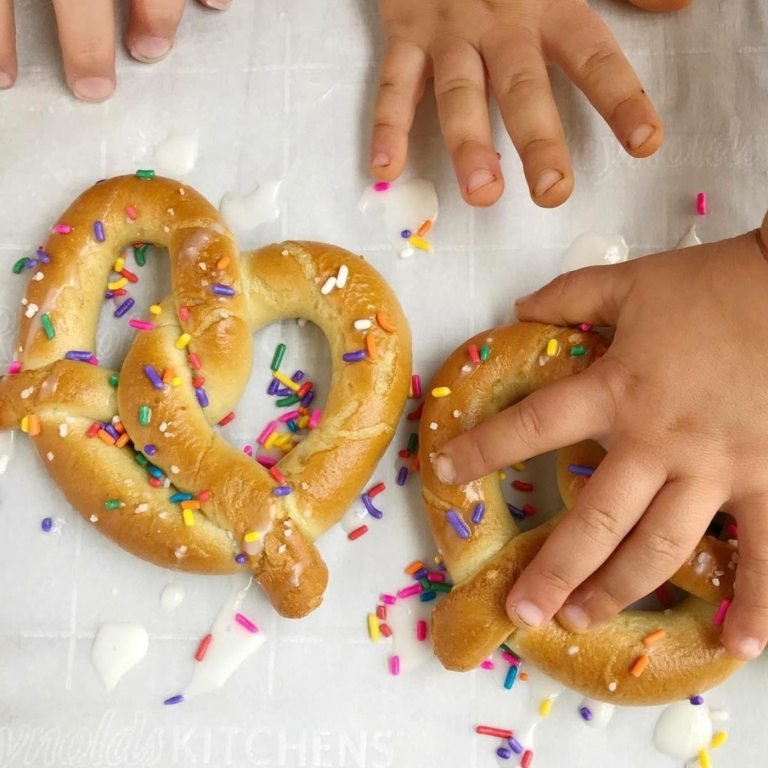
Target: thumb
(591,295)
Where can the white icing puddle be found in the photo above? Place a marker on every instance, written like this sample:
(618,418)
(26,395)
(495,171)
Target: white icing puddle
(402,619)
(248,211)
(594,249)
(596,714)
(7,442)
(177,154)
(682,730)
(117,649)
(171,597)
(689,239)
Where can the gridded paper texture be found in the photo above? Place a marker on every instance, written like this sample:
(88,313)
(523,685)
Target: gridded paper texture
(283,91)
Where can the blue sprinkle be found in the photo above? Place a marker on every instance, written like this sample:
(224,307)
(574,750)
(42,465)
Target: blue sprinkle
(580,469)
(426,597)
(174,700)
(222,290)
(509,680)
(156,472)
(282,490)
(179,497)
(124,308)
(478,513)
(516,512)
(515,746)
(293,426)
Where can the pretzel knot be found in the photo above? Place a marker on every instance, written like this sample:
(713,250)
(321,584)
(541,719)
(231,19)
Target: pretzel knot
(627,660)
(185,372)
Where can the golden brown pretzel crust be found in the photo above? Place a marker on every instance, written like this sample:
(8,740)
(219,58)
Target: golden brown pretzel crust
(472,621)
(325,471)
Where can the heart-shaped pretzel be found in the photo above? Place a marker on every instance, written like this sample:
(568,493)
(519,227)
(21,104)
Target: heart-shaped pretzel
(486,557)
(186,371)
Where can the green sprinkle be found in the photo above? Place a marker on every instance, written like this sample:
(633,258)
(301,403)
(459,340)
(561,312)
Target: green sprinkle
(413,443)
(145,415)
(426,584)
(278,358)
(140,253)
(441,586)
(505,647)
(50,331)
(485,353)
(578,350)
(114,380)
(20,265)
(145,174)
(113,504)
(284,402)
(141,459)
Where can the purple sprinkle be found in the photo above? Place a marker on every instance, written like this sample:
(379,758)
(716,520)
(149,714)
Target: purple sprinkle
(503,753)
(586,713)
(580,469)
(74,354)
(222,290)
(202,397)
(98,231)
(420,574)
(124,308)
(174,700)
(402,476)
(405,234)
(515,746)
(109,294)
(372,511)
(274,385)
(43,256)
(697,700)
(308,398)
(282,490)
(31,263)
(241,558)
(47,524)
(354,357)
(283,392)
(298,376)
(478,513)
(153,376)
(111,431)
(455,519)
(516,512)
(150,449)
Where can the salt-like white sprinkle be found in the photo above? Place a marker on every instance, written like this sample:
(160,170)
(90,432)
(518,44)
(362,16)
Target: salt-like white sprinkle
(573,650)
(63,430)
(284,253)
(163,426)
(94,518)
(612,686)
(363,325)
(716,582)
(38,277)
(142,508)
(328,286)
(456,413)
(26,393)
(174,469)
(181,551)
(49,456)
(433,425)
(32,310)
(342,276)
(281,549)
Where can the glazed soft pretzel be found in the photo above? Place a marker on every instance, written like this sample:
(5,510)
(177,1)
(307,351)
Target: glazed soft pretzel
(219,299)
(472,622)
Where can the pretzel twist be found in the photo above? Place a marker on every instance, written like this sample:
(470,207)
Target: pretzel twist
(324,472)
(472,622)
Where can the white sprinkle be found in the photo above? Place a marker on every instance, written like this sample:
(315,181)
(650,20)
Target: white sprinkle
(166,228)
(38,277)
(24,303)
(63,430)
(456,413)
(288,532)
(281,549)
(573,650)
(301,321)
(32,310)
(716,582)
(141,508)
(406,253)
(719,573)
(202,265)
(167,482)
(341,278)
(467,368)
(94,518)
(304,486)
(181,551)
(328,286)
(433,425)
(163,426)
(171,212)
(362,325)
(284,253)
(26,393)
(182,191)
(612,686)
(174,469)
(49,456)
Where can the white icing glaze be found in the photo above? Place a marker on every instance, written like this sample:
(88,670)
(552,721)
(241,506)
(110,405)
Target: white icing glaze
(354,518)
(602,712)
(7,441)
(172,596)
(405,205)
(176,155)
(689,239)
(231,644)
(682,730)
(246,212)
(117,649)
(401,619)
(594,249)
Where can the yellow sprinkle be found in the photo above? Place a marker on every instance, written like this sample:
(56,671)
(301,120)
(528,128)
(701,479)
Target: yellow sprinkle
(286,447)
(117,284)
(183,341)
(155,309)
(176,381)
(283,439)
(373,628)
(502,474)
(545,707)
(252,536)
(25,424)
(441,392)
(283,379)
(718,739)
(119,264)
(704,760)
(519,467)
(189,517)
(420,243)
(553,347)
(271,440)
(303,422)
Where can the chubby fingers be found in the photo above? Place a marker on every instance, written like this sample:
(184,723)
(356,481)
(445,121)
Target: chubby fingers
(7,45)
(610,504)
(87,39)
(152,27)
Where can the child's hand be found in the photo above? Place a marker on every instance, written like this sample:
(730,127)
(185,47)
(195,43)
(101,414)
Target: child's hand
(87,38)
(473,46)
(681,402)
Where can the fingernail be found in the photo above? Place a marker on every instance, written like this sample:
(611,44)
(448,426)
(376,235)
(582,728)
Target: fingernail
(93,88)
(528,613)
(380,160)
(479,179)
(575,617)
(6,81)
(219,5)
(749,648)
(640,135)
(445,469)
(522,299)
(546,181)
(149,48)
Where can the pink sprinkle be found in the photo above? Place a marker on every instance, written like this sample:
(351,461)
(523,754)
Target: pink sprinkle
(388,599)
(585,327)
(183,314)
(701,204)
(474,355)
(243,621)
(394,665)
(248,450)
(265,461)
(487,664)
(314,419)
(62,229)
(142,325)
(266,432)
(93,360)
(434,576)
(732,529)
(421,630)
(722,609)
(130,212)
(416,385)
(290,416)
(414,589)
(513,661)
(381,186)
(14,367)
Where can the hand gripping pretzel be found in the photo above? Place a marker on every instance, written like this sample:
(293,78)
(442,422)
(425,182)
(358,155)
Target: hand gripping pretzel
(219,299)
(472,622)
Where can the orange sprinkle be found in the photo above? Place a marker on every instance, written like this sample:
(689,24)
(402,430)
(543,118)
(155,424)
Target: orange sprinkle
(222,263)
(123,440)
(105,437)
(118,427)
(654,637)
(424,228)
(33,425)
(370,346)
(190,504)
(168,375)
(385,323)
(523,675)
(637,669)
(416,565)
(415,464)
